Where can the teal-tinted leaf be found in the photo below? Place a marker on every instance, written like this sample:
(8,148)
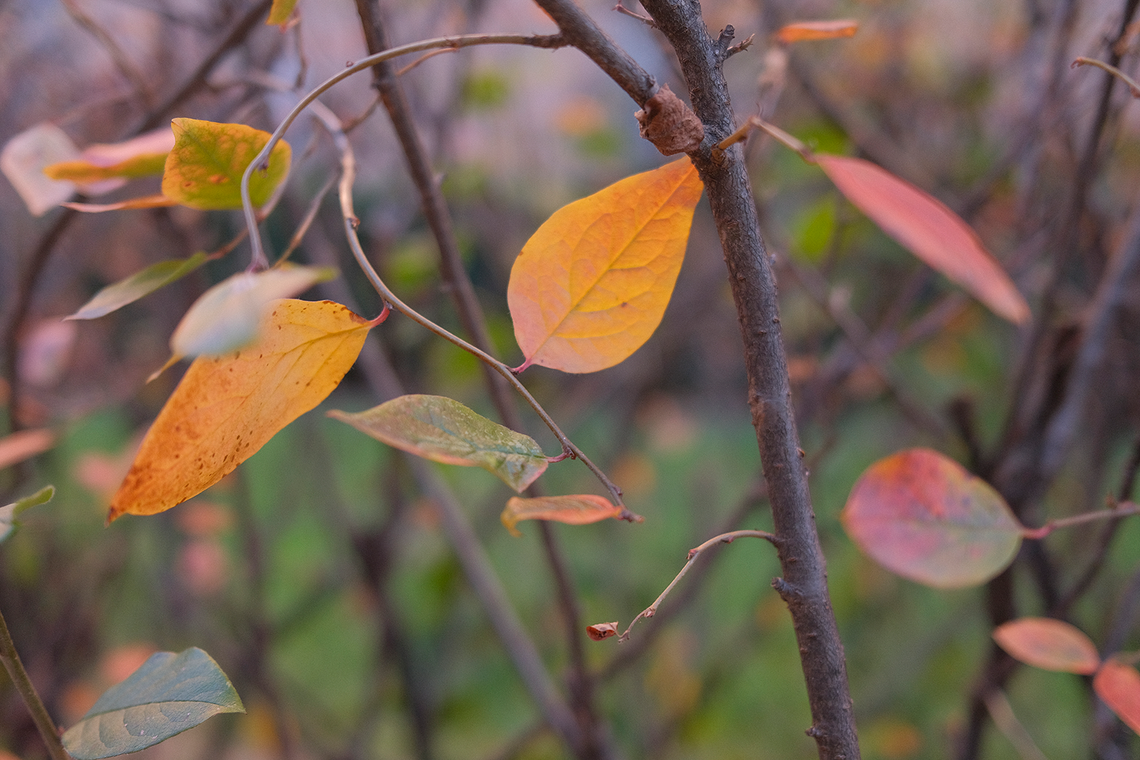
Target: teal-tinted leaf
(444,430)
(8,514)
(169,694)
(140,284)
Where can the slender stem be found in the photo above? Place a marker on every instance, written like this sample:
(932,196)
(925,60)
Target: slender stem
(723,538)
(1133,87)
(27,692)
(1123,510)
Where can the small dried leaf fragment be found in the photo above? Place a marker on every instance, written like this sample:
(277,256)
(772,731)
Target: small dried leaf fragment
(227,408)
(927,228)
(1048,644)
(444,430)
(602,631)
(205,167)
(581,509)
(804,31)
(924,517)
(591,285)
(669,124)
(1118,686)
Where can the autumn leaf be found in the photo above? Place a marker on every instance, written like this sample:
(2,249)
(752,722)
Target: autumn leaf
(1118,686)
(24,444)
(225,409)
(602,631)
(143,283)
(141,156)
(143,201)
(280,12)
(804,31)
(444,430)
(1048,644)
(924,517)
(205,167)
(592,284)
(581,509)
(928,229)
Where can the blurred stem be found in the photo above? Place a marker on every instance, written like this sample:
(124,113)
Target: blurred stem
(46,726)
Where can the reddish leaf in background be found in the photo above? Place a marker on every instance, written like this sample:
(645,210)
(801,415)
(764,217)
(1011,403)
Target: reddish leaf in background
(1048,644)
(924,517)
(1118,685)
(805,31)
(928,229)
(600,631)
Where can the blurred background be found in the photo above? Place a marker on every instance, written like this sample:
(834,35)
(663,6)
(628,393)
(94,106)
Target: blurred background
(318,575)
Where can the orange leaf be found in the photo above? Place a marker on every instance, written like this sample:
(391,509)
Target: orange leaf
(924,517)
(582,509)
(1118,686)
(600,631)
(225,409)
(591,285)
(928,229)
(141,156)
(1048,644)
(145,201)
(817,30)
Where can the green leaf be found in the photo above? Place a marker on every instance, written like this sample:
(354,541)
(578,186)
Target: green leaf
(205,168)
(140,284)
(228,316)
(446,431)
(169,694)
(8,514)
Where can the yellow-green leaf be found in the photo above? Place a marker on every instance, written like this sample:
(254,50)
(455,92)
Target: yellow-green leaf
(592,284)
(145,201)
(142,156)
(581,509)
(280,12)
(444,430)
(205,167)
(139,284)
(225,409)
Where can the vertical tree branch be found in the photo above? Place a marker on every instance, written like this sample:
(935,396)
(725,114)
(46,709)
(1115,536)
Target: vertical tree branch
(27,692)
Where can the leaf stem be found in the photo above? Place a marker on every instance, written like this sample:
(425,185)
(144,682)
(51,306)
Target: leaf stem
(1124,509)
(46,726)
(1133,86)
(258,257)
(755,122)
(723,538)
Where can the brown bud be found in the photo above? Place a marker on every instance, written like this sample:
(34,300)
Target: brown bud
(670,124)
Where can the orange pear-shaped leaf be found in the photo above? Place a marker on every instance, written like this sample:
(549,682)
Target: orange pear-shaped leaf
(924,517)
(1048,644)
(205,167)
(803,31)
(581,509)
(141,156)
(225,409)
(444,430)
(591,285)
(1118,686)
(928,229)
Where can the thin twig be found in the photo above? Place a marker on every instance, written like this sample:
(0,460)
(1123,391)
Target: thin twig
(1001,711)
(122,62)
(1126,509)
(27,691)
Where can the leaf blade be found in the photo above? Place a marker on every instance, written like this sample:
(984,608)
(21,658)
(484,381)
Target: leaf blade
(443,430)
(142,156)
(1048,644)
(9,513)
(205,167)
(142,283)
(1118,686)
(591,285)
(579,509)
(805,31)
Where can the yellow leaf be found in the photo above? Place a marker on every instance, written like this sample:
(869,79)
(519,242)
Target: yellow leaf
(205,167)
(591,285)
(280,12)
(225,409)
(141,156)
(581,509)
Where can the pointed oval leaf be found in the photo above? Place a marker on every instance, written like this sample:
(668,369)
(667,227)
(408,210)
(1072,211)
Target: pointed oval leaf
(580,509)
(139,284)
(8,514)
(803,31)
(142,156)
(1048,644)
(225,409)
(228,316)
(591,285)
(1118,686)
(280,12)
(926,518)
(927,228)
(444,430)
(169,694)
(24,158)
(205,167)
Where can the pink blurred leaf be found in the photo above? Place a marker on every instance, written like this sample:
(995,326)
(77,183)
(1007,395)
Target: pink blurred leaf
(1118,685)
(1048,644)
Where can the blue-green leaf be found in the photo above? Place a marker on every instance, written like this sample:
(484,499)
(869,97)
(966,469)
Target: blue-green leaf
(169,694)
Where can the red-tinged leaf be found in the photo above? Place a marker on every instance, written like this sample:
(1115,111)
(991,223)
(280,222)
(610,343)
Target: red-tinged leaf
(928,229)
(803,31)
(142,156)
(205,168)
(581,509)
(601,631)
(24,158)
(17,447)
(1048,644)
(1118,686)
(924,517)
(280,12)
(444,430)
(592,284)
(140,284)
(226,409)
(146,201)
